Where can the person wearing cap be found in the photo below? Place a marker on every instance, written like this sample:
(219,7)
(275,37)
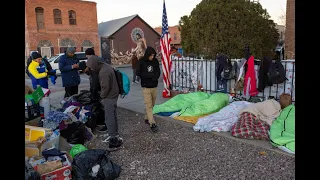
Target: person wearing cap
(38,72)
(69,66)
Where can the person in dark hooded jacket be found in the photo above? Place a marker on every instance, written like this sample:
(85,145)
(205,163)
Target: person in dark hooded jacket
(149,72)
(103,76)
(69,65)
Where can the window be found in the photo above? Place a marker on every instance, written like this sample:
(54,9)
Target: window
(39,17)
(53,58)
(175,36)
(46,51)
(57,60)
(81,56)
(57,16)
(72,18)
(85,45)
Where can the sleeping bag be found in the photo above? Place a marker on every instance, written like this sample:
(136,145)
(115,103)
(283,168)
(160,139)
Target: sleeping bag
(213,104)
(222,120)
(282,130)
(180,101)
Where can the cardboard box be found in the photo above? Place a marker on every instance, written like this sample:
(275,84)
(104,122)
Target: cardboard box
(28,89)
(63,173)
(35,148)
(33,122)
(33,133)
(31,151)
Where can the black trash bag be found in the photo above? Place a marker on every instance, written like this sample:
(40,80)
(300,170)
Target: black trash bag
(74,133)
(30,173)
(84,162)
(97,116)
(84,97)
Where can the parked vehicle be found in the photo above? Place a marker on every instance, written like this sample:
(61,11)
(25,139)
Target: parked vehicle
(54,60)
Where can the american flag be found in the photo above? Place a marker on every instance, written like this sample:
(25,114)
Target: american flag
(165,50)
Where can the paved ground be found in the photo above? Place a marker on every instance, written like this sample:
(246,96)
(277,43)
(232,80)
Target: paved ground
(177,152)
(182,152)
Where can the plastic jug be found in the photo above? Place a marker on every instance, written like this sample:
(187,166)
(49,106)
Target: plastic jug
(45,105)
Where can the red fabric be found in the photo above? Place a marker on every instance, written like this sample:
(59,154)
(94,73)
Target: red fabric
(250,127)
(253,80)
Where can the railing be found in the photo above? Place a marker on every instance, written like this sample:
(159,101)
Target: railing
(186,72)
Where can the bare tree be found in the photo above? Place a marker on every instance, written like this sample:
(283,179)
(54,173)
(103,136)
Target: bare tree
(282,17)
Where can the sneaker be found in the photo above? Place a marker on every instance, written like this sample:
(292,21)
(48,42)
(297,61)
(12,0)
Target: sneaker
(146,121)
(107,139)
(114,143)
(103,129)
(137,82)
(154,127)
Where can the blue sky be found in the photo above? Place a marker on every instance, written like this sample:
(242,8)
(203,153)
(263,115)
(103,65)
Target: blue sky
(151,10)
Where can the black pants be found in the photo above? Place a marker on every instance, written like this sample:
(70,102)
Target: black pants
(70,91)
(135,77)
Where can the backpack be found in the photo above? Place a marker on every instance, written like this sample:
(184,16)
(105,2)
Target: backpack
(228,71)
(123,83)
(276,73)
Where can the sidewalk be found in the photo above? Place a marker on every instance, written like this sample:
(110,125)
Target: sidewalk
(134,102)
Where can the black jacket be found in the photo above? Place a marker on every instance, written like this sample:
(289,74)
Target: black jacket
(263,74)
(221,62)
(148,71)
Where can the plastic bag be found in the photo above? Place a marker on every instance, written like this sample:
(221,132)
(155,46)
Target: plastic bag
(84,97)
(94,164)
(30,173)
(76,149)
(97,116)
(74,133)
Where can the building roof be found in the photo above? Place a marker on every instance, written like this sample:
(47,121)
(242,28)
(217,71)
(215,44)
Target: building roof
(174,33)
(108,28)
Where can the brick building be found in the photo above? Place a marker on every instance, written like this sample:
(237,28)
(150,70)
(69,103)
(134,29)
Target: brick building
(53,25)
(175,35)
(290,30)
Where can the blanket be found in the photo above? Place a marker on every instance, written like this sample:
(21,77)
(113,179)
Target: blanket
(267,110)
(213,104)
(189,119)
(250,127)
(179,102)
(222,120)
(282,131)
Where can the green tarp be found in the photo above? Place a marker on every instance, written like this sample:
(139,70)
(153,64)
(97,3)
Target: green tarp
(282,130)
